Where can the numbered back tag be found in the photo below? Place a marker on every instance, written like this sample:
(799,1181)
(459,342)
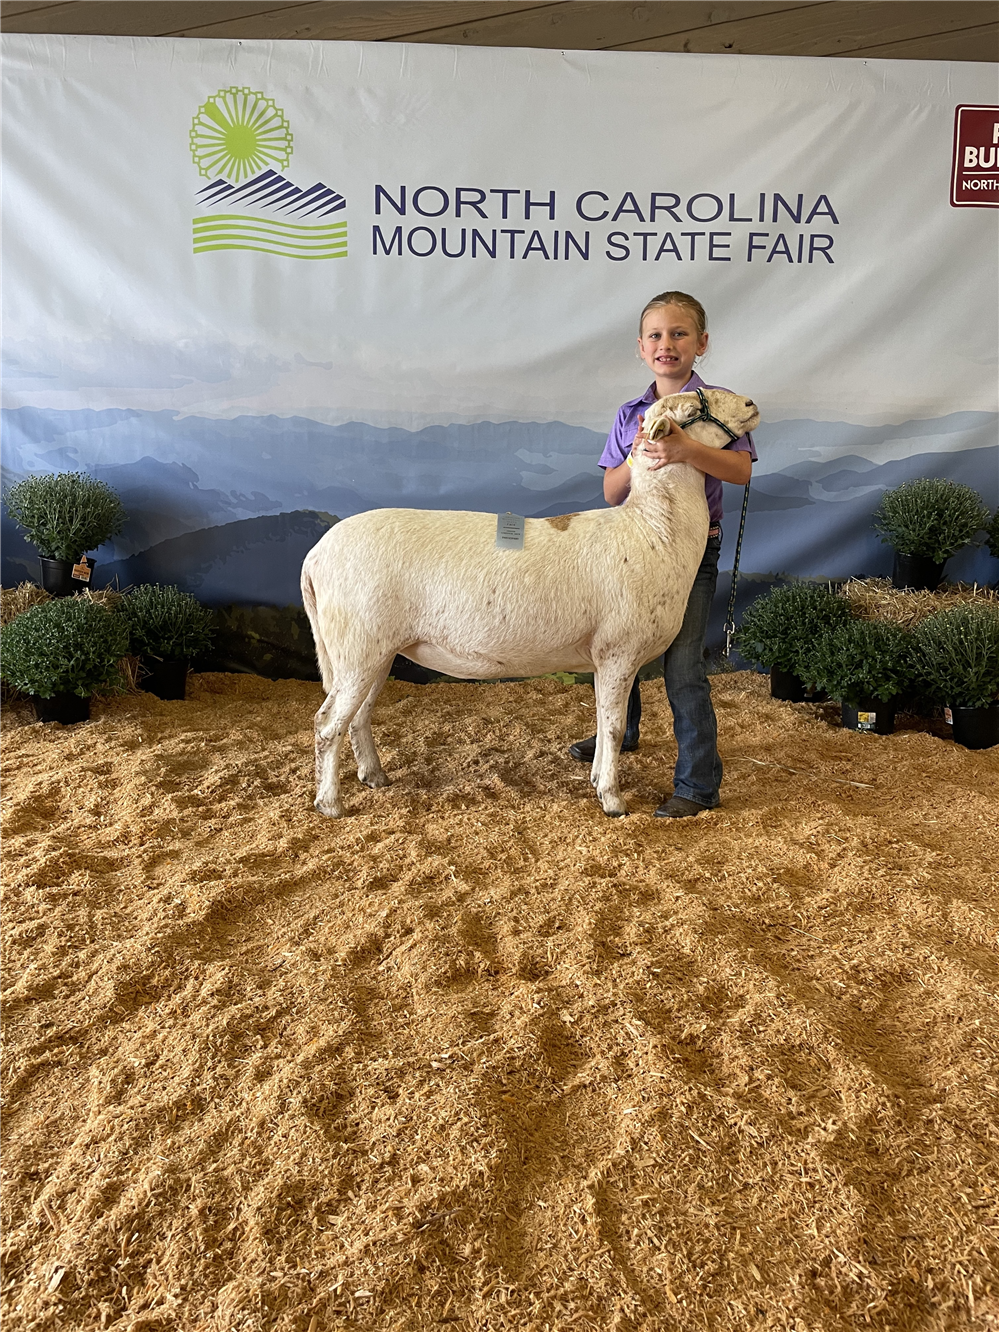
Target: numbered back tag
(509,532)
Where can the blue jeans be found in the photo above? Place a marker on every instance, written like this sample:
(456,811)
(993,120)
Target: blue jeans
(698,772)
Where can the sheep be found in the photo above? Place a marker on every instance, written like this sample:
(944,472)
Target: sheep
(604,590)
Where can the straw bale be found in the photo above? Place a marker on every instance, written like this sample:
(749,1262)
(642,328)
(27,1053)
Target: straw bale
(477,1057)
(101,596)
(878,599)
(15,600)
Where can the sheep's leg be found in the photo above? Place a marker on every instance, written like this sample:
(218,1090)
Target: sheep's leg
(598,748)
(369,767)
(332,723)
(612,708)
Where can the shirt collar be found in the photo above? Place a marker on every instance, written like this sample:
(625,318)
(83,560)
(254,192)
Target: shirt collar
(694,382)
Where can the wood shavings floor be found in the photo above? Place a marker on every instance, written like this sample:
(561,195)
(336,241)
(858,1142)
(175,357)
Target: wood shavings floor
(477,1056)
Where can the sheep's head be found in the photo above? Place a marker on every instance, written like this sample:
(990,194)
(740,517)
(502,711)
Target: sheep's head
(738,413)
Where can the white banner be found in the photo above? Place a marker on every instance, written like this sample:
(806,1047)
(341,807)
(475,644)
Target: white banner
(248,283)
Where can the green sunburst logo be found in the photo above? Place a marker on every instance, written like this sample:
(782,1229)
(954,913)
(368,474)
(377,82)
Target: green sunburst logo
(237,133)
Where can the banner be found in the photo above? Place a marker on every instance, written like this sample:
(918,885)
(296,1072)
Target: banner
(259,285)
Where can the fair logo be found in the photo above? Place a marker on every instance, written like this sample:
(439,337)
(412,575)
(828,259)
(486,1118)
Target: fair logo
(241,143)
(975,171)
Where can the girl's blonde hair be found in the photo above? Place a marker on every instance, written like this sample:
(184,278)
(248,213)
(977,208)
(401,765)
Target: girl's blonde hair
(677,298)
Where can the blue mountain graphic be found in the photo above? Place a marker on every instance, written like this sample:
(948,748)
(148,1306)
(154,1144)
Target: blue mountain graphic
(274,192)
(209,484)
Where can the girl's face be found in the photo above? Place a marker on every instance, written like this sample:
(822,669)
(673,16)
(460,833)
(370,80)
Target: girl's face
(668,344)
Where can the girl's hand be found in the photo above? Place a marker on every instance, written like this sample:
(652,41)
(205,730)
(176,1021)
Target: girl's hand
(674,447)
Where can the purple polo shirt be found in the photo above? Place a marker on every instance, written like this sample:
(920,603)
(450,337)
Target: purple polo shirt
(625,428)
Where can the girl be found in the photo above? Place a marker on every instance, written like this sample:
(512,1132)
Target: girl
(672,335)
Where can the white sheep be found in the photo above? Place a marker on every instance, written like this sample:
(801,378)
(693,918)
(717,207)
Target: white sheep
(603,590)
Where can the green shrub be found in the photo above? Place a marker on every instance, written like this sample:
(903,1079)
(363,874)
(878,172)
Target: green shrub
(992,535)
(931,518)
(958,655)
(863,659)
(65,514)
(65,646)
(165,623)
(778,629)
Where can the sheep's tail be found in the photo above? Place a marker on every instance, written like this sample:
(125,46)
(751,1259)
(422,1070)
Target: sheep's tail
(322,656)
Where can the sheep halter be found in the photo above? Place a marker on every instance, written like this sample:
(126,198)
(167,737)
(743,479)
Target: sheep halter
(705,415)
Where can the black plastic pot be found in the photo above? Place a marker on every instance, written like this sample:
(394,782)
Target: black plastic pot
(916,573)
(790,688)
(786,685)
(165,679)
(57,576)
(873,714)
(976,728)
(65,708)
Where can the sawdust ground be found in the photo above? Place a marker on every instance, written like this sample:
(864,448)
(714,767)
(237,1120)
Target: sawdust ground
(479,1057)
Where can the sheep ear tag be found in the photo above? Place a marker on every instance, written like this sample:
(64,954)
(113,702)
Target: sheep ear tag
(509,532)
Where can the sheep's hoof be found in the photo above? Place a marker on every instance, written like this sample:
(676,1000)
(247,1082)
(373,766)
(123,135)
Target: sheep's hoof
(616,813)
(331,811)
(376,779)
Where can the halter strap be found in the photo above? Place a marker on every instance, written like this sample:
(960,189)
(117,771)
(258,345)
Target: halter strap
(705,415)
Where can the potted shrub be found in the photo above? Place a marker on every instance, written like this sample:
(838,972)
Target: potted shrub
(779,627)
(65,514)
(61,652)
(864,665)
(958,658)
(166,628)
(992,535)
(927,521)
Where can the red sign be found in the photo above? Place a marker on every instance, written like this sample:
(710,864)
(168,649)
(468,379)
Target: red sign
(975,174)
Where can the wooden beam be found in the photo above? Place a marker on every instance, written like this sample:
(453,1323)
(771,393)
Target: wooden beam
(132,18)
(885,29)
(595,25)
(265,20)
(11,7)
(844,27)
(615,25)
(981,43)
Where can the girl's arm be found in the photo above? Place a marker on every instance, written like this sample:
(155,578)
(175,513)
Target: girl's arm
(617,483)
(617,480)
(678,446)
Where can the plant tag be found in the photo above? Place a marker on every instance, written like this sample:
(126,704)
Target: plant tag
(948,717)
(867,721)
(510,532)
(81,571)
